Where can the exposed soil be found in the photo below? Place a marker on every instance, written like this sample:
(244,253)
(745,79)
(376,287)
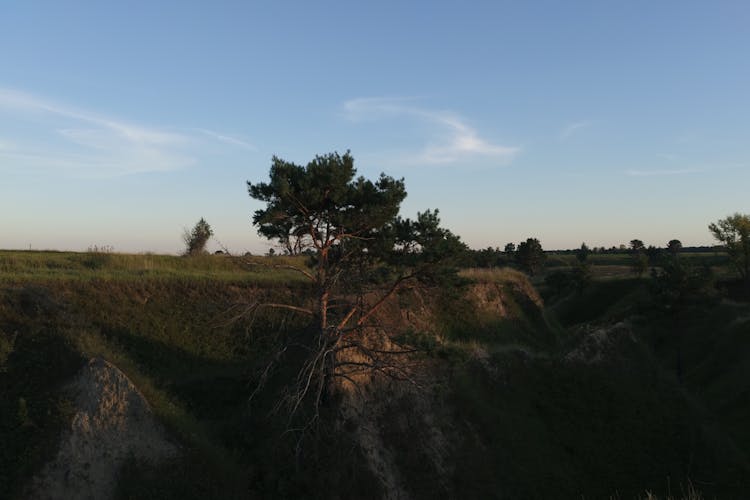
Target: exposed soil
(112,422)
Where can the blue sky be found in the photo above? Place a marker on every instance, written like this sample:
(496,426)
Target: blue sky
(121,123)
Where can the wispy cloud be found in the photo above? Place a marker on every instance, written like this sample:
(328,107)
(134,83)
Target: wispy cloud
(12,99)
(649,173)
(83,142)
(571,129)
(228,139)
(454,141)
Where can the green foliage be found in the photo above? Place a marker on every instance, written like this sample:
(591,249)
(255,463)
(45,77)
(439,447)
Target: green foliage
(674,247)
(639,264)
(196,239)
(582,275)
(362,252)
(678,284)
(638,258)
(637,245)
(653,254)
(582,254)
(578,278)
(734,233)
(422,341)
(530,256)
(485,258)
(322,203)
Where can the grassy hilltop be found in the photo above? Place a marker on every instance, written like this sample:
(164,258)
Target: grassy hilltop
(591,393)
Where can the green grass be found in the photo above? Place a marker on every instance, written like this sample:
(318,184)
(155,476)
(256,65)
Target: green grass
(24,266)
(494,275)
(172,337)
(179,334)
(617,266)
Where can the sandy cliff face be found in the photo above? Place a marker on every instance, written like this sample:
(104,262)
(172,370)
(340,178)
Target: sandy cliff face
(112,422)
(398,409)
(422,311)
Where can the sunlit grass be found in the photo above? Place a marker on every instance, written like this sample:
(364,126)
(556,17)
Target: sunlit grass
(493,275)
(49,265)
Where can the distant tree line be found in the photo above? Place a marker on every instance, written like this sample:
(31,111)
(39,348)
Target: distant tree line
(527,255)
(674,278)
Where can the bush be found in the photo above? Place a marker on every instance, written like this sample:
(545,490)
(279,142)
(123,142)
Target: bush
(195,240)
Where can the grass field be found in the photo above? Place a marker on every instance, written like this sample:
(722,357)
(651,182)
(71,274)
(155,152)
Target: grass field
(164,321)
(35,266)
(618,265)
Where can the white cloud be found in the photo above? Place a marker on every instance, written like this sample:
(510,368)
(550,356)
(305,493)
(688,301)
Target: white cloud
(105,165)
(87,143)
(455,141)
(571,129)
(11,99)
(228,139)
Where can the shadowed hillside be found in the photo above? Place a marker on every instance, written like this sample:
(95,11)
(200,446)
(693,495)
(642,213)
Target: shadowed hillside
(596,394)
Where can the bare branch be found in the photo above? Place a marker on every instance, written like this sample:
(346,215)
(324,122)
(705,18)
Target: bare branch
(346,319)
(302,310)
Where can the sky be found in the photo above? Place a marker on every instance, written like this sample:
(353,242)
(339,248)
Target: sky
(123,123)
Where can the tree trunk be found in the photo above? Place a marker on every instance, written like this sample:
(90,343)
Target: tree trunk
(323,311)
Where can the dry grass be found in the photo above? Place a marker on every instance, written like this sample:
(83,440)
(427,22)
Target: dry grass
(493,275)
(18,266)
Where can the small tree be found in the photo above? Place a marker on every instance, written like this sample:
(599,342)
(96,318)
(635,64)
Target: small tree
(679,284)
(582,254)
(734,233)
(530,256)
(582,268)
(639,259)
(362,253)
(654,254)
(195,240)
(674,247)
(637,245)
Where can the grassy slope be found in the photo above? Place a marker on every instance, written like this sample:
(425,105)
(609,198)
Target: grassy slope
(164,321)
(523,423)
(703,351)
(530,425)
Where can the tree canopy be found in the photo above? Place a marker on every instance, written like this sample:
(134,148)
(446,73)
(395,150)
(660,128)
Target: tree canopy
(362,252)
(322,204)
(195,240)
(530,255)
(674,247)
(582,253)
(734,233)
